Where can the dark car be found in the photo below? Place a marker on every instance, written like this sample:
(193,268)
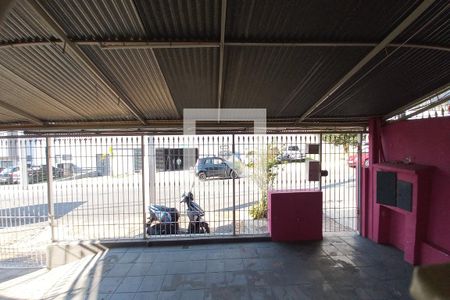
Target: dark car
(214,167)
(40,173)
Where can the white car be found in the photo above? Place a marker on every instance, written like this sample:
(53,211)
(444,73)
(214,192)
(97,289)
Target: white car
(292,153)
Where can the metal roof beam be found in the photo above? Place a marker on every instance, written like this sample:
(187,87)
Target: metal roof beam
(424,109)
(108,45)
(417,101)
(378,48)
(85,60)
(21,113)
(337,44)
(174,125)
(221,53)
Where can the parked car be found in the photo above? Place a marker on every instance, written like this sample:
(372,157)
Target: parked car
(39,173)
(214,166)
(36,174)
(9,175)
(292,153)
(353,159)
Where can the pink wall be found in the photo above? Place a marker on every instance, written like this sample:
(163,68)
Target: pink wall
(426,142)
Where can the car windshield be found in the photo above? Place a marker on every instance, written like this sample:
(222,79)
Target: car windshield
(6,171)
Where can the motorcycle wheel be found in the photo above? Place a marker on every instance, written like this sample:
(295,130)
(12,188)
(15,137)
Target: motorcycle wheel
(154,230)
(206,226)
(193,228)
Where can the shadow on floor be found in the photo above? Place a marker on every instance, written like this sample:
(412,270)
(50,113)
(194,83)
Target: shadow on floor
(31,214)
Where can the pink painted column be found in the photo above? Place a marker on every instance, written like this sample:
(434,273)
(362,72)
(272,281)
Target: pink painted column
(367,203)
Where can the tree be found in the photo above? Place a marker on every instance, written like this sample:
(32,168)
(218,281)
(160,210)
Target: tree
(344,139)
(264,173)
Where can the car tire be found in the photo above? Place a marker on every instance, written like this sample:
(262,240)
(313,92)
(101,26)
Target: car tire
(202,176)
(233,174)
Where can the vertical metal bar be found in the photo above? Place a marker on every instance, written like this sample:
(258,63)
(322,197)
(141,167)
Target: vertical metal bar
(143,184)
(23,163)
(50,187)
(359,183)
(234,185)
(320,160)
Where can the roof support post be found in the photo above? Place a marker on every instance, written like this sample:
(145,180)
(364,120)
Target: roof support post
(221,53)
(76,51)
(378,48)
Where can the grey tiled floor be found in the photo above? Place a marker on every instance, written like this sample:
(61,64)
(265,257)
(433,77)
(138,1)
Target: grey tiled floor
(339,267)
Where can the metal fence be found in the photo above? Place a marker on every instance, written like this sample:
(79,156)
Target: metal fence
(94,188)
(24,230)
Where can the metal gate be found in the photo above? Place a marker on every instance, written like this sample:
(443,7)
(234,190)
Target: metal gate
(24,230)
(99,189)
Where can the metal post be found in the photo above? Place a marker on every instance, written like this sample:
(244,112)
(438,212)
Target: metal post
(49,162)
(23,163)
(144,220)
(359,183)
(320,160)
(234,186)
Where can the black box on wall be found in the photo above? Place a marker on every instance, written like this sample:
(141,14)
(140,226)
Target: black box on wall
(404,195)
(387,188)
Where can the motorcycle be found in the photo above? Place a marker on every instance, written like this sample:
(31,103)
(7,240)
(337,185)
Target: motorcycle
(164,220)
(195,214)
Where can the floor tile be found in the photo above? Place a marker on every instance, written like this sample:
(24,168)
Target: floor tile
(184,282)
(151,283)
(146,296)
(122,296)
(130,285)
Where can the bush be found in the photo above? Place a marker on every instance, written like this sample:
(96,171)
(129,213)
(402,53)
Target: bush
(259,210)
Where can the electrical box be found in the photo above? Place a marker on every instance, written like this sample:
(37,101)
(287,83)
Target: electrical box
(387,188)
(313,170)
(312,149)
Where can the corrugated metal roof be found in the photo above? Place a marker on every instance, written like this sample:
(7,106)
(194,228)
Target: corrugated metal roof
(192,76)
(22,95)
(138,74)
(53,72)
(432,28)
(9,117)
(314,21)
(286,81)
(99,19)
(21,23)
(389,85)
(176,20)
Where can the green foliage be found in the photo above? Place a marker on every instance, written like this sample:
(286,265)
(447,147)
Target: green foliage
(344,139)
(264,174)
(259,210)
